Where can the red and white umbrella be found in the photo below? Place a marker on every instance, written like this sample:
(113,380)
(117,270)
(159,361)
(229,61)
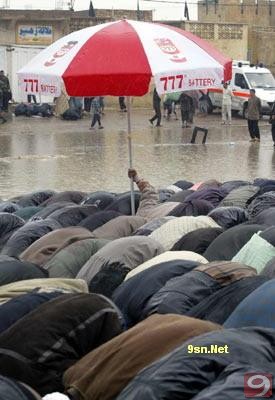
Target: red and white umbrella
(120,58)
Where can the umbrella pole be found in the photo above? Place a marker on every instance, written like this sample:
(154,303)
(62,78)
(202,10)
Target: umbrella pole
(128,100)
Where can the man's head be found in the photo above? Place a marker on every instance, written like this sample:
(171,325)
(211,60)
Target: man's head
(225,85)
(2,72)
(252,92)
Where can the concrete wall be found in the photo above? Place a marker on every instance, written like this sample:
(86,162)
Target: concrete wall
(263,53)
(231,11)
(260,26)
(230,39)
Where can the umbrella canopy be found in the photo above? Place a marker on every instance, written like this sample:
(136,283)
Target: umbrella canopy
(120,58)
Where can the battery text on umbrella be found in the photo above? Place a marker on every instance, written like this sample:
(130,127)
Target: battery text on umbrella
(32,86)
(60,53)
(207,82)
(168,47)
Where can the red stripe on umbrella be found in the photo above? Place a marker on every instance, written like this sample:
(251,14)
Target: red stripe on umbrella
(103,53)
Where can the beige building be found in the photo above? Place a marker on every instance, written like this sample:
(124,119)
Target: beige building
(258,17)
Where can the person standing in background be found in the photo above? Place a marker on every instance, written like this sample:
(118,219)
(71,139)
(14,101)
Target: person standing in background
(253,115)
(156,106)
(187,108)
(122,105)
(2,113)
(226,104)
(102,105)
(272,122)
(30,97)
(6,90)
(95,110)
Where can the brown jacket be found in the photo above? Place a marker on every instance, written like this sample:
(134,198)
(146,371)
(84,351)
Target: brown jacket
(119,227)
(41,251)
(103,373)
(226,272)
(149,205)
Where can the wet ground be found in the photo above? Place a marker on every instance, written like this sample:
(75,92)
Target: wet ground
(39,153)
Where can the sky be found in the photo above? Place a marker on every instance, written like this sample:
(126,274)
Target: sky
(160,10)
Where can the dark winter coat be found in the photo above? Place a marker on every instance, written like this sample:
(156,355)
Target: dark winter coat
(13,270)
(28,212)
(181,196)
(228,243)
(227,217)
(231,185)
(16,308)
(28,234)
(122,203)
(213,195)
(257,309)
(69,195)
(198,240)
(14,390)
(132,295)
(100,218)
(183,185)
(218,307)
(192,208)
(260,203)
(72,215)
(45,212)
(9,223)
(181,293)
(265,217)
(8,207)
(35,198)
(240,196)
(100,199)
(59,333)
(182,375)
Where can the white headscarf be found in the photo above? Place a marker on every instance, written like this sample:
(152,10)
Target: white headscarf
(56,396)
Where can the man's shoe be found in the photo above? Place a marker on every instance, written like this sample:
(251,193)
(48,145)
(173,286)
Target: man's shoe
(257,140)
(151,122)
(252,140)
(101,127)
(91,128)
(158,125)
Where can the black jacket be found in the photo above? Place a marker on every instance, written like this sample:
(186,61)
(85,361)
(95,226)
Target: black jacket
(42,345)
(132,295)
(183,375)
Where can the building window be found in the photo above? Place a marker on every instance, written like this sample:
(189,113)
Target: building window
(230,31)
(204,31)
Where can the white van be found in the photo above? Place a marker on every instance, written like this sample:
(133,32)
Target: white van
(244,77)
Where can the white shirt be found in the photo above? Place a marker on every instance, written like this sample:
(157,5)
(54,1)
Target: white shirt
(226,96)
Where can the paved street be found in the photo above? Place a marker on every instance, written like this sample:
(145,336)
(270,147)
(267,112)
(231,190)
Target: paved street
(38,153)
